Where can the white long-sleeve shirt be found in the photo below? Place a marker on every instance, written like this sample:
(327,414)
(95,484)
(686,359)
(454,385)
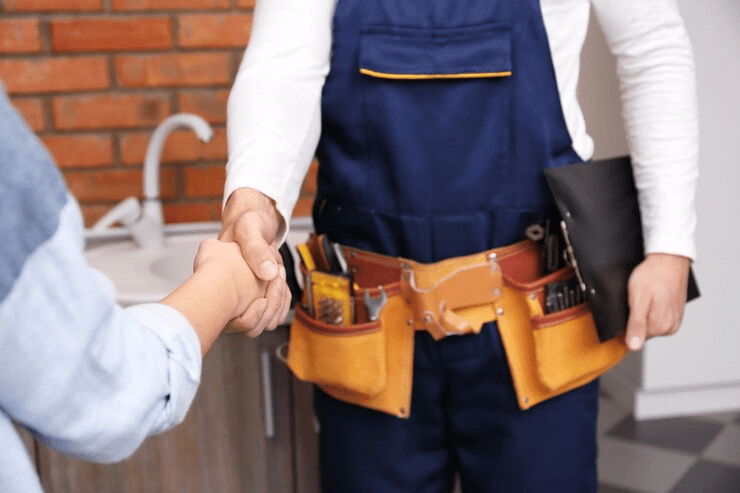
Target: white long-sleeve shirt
(274,111)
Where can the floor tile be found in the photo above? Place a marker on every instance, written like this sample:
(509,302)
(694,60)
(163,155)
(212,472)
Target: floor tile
(709,477)
(726,447)
(689,435)
(638,467)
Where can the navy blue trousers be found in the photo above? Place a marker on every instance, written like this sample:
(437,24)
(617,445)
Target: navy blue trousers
(465,421)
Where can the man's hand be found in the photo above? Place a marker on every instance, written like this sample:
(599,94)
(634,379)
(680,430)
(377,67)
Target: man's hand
(223,262)
(657,296)
(251,219)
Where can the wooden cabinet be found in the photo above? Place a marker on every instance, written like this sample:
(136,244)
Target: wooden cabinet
(249,430)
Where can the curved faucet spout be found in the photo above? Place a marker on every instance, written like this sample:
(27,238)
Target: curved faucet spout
(156,145)
(148,231)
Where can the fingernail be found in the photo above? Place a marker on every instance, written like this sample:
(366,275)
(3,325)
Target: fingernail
(268,269)
(635,343)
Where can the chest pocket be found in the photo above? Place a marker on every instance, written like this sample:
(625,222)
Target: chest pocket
(437,110)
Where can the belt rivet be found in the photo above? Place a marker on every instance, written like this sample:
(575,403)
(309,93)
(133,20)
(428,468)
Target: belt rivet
(526,400)
(427,319)
(500,311)
(492,256)
(497,292)
(532,296)
(410,321)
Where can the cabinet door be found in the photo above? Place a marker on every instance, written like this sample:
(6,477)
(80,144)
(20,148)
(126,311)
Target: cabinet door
(222,446)
(306,439)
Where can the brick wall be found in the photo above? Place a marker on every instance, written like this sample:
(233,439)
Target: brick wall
(94,77)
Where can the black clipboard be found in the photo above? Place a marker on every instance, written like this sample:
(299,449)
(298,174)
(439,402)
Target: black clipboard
(597,201)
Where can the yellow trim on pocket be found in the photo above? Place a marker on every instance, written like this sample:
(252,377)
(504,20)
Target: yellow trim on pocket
(471,75)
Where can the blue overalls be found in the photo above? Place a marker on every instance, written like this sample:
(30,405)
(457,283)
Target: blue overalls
(438,118)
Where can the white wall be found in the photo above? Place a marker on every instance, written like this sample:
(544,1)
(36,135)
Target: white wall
(699,368)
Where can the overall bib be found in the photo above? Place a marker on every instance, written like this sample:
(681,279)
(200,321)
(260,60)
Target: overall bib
(438,118)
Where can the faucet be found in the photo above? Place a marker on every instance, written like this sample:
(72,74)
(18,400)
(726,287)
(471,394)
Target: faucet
(146,222)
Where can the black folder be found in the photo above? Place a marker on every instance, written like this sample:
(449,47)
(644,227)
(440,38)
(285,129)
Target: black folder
(597,201)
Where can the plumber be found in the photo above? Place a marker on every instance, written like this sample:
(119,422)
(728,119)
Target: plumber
(432,122)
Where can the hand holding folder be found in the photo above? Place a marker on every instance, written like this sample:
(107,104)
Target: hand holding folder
(598,204)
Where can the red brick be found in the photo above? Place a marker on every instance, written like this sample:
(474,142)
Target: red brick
(211,105)
(246,4)
(46,75)
(77,151)
(109,111)
(20,36)
(148,5)
(303,206)
(205,181)
(104,185)
(214,30)
(181,146)
(32,110)
(115,185)
(91,213)
(52,5)
(193,212)
(188,69)
(168,182)
(97,33)
(310,181)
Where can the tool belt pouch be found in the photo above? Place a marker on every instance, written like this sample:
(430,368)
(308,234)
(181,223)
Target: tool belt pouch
(369,364)
(550,354)
(350,357)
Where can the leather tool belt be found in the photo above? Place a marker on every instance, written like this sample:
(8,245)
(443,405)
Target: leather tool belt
(353,332)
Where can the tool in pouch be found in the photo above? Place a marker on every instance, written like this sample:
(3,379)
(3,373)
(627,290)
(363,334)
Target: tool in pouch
(331,291)
(343,344)
(557,253)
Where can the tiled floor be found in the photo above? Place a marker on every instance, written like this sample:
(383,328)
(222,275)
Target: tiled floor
(698,454)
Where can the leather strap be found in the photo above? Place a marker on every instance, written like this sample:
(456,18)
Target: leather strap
(451,297)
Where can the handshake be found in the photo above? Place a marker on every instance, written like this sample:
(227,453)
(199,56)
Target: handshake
(239,280)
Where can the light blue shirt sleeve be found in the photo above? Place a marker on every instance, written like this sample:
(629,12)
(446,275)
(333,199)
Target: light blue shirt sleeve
(85,375)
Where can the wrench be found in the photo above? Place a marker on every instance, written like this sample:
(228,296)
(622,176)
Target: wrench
(374,305)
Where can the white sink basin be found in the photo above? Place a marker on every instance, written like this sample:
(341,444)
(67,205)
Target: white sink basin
(146,275)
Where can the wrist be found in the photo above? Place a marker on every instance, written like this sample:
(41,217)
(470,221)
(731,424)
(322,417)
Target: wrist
(669,258)
(218,273)
(243,199)
(249,206)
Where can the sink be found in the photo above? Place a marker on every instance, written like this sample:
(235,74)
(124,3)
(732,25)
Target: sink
(146,275)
